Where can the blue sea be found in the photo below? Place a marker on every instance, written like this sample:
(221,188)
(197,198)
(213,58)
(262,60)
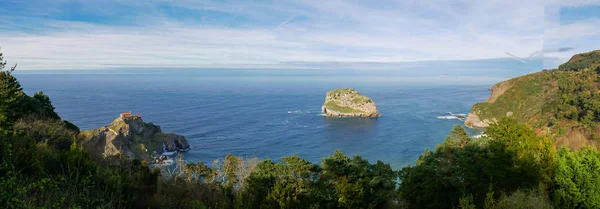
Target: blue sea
(270,113)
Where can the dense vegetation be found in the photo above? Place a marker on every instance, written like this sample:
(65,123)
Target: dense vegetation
(512,157)
(43,165)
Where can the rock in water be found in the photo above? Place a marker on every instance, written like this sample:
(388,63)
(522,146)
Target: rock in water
(132,137)
(347,102)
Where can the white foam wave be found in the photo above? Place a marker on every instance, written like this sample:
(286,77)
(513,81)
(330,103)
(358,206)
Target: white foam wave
(452,116)
(323,126)
(166,162)
(168,153)
(299,112)
(478,135)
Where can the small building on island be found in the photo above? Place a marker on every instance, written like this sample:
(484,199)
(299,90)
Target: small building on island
(127,115)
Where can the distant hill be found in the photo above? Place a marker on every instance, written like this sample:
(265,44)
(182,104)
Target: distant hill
(562,103)
(582,61)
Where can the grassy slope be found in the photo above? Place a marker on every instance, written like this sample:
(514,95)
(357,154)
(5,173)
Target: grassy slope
(331,105)
(335,107)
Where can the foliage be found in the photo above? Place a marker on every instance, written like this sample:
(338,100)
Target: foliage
(340,182)
(11,97)
(578,99)
(521,199)
(577,177)
(511,157)
(47,131)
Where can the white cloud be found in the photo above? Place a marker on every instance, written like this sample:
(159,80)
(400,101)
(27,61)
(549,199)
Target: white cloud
(304,31)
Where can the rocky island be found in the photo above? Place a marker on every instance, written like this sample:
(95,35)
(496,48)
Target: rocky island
(131,136)
(347,102)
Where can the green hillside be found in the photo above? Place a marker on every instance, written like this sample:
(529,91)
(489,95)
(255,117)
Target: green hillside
(563,102)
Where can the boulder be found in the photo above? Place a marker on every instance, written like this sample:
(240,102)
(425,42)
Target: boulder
(174,142)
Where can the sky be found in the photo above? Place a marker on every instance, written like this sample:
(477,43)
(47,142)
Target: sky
(94,34)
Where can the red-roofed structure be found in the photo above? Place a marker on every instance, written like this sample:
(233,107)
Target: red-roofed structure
(125,115)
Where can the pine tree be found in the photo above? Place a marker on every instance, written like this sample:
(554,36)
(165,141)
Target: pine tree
(11,94)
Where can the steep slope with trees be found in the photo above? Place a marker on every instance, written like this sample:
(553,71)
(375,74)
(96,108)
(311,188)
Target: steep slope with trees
(563,103)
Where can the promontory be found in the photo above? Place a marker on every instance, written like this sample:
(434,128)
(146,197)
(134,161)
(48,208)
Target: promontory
(347,102)
(562,103)
(131,136)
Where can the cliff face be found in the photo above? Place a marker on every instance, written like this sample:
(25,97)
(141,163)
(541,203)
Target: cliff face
(348,102)
(132,137)
(473,120)
(523,97)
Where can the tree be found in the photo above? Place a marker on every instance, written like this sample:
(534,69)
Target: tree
(576,180)
(511,157)
(356,183)
(44,106)
(11,97)
(533,158)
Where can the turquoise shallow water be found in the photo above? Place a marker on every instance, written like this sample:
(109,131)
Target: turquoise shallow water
(268,115)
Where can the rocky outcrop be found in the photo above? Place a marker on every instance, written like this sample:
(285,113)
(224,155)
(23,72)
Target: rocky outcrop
(347,102)
(475,122)
(132,137)
(175,142)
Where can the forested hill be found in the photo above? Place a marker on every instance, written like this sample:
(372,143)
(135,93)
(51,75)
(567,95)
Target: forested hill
(582,61)
(562,103)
